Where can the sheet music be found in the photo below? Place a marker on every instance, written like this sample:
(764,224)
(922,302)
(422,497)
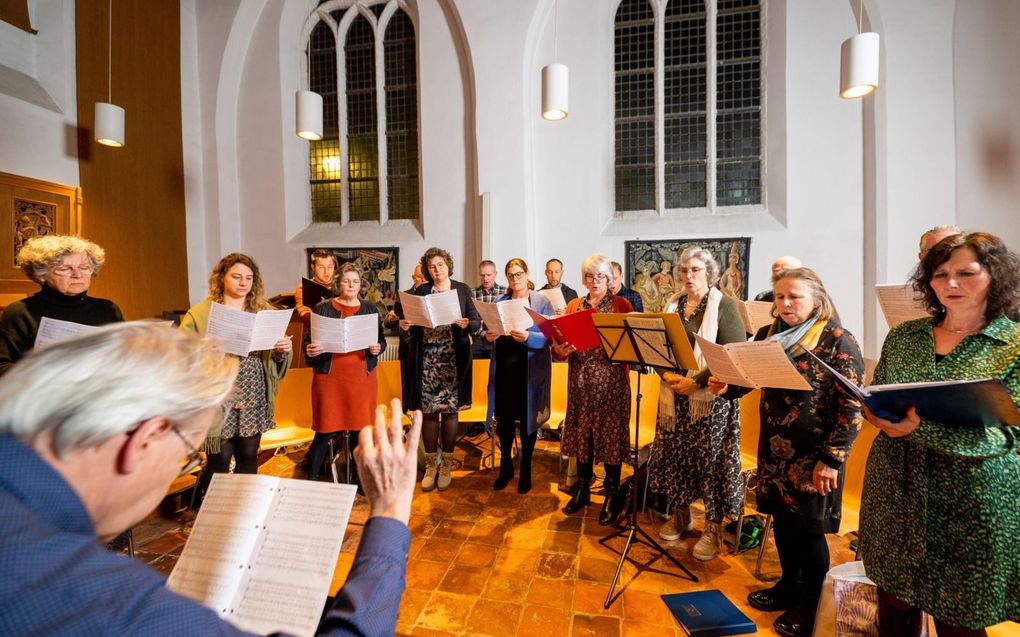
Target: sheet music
(898,304)
(415,309)
(505,317)
(231,327)
(270,326)
(263,551)
(651,342)
(555,296)
(760,313)
(345,335)
(444,307)
(54,330)
(754,364)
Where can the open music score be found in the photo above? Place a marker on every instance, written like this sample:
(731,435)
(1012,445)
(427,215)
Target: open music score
(431,310)
(313,292)
(899,304)
(755,314)
(244,332)
(54,330)
(505,317)
(654,339)
(753,364)
(342,335)
(555,296)
(263,550)
(576,329)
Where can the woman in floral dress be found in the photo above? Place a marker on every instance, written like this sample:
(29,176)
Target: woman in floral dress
(596,426)
(803,445)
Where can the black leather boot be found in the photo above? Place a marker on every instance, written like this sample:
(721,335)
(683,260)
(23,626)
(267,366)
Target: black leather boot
(581,497)
(611,505)
(506,474)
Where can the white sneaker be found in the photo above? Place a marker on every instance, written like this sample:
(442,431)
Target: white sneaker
(675,527)
(708,546)
(443,482)
(428,483)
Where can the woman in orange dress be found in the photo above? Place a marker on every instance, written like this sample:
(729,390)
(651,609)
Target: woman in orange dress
(343,385)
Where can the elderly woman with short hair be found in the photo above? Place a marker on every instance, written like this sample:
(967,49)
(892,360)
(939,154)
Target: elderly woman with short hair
(441,364)
(64,266)
(696,454)
(596,427)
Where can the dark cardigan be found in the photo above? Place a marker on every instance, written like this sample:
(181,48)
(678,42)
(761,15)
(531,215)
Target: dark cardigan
(322,363)
(461,347)
(20,320)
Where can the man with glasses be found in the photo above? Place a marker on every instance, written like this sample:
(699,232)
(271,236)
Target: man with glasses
(92,432)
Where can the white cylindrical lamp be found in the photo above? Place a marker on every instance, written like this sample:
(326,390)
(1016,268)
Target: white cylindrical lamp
(308,111)
(555,89)
(109,124)
(858,74)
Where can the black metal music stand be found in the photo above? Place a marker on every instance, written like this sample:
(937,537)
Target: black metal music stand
(627,344)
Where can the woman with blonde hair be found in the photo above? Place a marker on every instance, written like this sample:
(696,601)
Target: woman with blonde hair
(236,283)
(64,266)
(596,427)
(803,445)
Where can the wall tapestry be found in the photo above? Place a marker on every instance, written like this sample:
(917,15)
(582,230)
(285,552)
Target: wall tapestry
(650,267)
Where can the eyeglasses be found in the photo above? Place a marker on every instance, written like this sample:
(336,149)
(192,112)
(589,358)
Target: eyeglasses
(694,271)
(195,459)
(513,276)
(596,277)
(68,270)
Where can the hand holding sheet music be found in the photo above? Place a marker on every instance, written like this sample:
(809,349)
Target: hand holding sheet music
(244,332)
(432,310)
(345,335)
(754,364)
(263,550)
(505,317)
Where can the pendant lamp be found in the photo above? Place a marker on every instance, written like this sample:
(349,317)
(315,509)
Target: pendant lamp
(109,118)
(308,110)
(555,79)
(859,56)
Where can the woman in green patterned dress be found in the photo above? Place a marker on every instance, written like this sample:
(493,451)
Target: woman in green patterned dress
(940,511)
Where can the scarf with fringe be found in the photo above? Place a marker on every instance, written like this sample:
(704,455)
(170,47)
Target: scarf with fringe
(700,402)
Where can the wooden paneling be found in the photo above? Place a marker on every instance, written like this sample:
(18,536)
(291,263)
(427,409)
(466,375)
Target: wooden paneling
(133,197)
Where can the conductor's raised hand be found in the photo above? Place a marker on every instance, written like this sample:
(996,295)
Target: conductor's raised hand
(387,465)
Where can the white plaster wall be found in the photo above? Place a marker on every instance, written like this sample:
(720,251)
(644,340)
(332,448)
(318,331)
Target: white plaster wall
(38,102)
(987,71)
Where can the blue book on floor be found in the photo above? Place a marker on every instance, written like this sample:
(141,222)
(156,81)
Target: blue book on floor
(708,614)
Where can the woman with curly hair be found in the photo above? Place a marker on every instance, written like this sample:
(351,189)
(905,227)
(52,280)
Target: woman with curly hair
(64,266)
(940,510)
(440,360)
(803,445)
(248,413)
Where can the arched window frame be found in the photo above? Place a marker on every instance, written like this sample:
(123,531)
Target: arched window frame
(711,208)
(352,9)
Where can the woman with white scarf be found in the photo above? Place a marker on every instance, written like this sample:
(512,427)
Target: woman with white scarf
(697,441)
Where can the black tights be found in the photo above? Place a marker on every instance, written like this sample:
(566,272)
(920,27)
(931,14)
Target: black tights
(320,447)
(506,444)
(804,556)
(244,450)
(585,469)
(430,431)
(896,618)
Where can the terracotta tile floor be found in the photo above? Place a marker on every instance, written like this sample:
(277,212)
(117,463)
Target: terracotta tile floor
(499,563)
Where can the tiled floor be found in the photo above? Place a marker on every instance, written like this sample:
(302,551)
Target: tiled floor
(499,563)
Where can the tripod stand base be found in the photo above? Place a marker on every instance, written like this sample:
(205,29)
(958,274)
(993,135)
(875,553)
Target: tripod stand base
(635,534)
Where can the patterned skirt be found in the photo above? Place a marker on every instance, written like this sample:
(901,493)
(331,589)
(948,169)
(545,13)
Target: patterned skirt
(246,412)
(701,459)
(439,388)
(597,423)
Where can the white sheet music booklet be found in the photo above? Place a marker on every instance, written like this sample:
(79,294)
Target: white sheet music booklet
(345,335)
(753,364)
(263,551)
(898,303)
(431,310)
(506,316)
(244,332)
(555,296)
(755,314)
(54,330)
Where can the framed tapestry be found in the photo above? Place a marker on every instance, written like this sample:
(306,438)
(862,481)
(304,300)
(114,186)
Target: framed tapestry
(650,267)
(378,268)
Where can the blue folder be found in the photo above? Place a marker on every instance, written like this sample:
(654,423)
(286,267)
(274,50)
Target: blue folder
(708,614)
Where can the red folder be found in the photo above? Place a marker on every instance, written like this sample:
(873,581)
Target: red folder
(576,329)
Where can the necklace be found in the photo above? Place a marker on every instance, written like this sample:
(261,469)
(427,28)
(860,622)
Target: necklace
(964,331)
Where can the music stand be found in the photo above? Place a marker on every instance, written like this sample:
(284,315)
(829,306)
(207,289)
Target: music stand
(647,340)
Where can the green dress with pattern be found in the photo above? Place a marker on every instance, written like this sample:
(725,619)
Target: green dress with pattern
(940,511)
